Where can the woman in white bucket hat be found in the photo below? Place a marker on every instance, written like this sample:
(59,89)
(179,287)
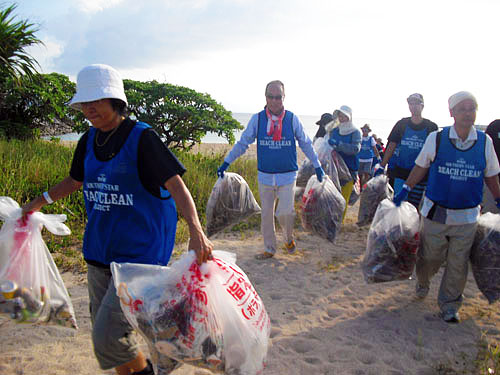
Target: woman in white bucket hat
(128,178)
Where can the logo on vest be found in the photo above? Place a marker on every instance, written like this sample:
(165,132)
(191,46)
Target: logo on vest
(414,142)
(459,170)
(106,195)
(275,144)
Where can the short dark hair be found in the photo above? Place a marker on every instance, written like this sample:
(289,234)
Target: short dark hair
(119,106)
(277,82)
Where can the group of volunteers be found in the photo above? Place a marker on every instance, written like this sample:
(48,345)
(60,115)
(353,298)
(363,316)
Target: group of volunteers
(132,188)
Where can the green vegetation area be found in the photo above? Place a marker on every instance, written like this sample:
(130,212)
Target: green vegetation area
(31,167)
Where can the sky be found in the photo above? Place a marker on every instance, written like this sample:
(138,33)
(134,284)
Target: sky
(367,54)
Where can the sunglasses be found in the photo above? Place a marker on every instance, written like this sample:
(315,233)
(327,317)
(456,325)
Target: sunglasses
(275,97)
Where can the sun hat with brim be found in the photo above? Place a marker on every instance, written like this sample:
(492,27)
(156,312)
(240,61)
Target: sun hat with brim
(346,110)
(325,119)
(97,81)
(367,127)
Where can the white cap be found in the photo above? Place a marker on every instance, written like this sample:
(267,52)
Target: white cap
(346,111)
(97,81)
(460,97)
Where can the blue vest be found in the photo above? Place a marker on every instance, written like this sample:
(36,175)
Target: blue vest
(410,146)
(456,177)
(276,156)
(352,161)
(126,223)
(366,151)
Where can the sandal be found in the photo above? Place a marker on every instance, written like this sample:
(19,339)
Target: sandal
(264,255)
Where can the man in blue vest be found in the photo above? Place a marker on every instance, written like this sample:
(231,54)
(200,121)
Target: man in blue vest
(277,132)
(459,160)
(368,152)
(408,136)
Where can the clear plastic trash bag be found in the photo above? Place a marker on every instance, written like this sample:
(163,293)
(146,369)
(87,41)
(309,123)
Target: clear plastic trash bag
(208,316)
(231,201)
(324,152)
(485,256)
(344,175)
(356,192)
(393,240)
(322,208)
(375,191)
(29,279)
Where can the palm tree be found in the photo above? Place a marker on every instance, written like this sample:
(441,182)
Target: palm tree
(15,37)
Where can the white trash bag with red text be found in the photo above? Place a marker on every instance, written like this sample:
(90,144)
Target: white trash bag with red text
(29,279)
(208,316)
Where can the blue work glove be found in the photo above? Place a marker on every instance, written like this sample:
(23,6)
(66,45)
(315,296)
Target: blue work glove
(498,203)
(402,195)
(332,142)
(379,170)
(222,169)
(320,173)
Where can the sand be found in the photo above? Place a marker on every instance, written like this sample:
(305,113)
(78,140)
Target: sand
(325,318)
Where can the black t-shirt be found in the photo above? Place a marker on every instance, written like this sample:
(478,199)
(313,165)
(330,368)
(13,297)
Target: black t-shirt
(397,134)
(493,130)
(155,162)
(398,130)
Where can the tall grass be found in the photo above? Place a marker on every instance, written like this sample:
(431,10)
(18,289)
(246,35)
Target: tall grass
(31,167)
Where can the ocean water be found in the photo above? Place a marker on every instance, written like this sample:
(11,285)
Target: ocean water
(379,127)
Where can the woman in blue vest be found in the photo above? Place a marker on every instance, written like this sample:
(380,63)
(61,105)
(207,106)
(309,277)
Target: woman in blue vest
(459,160)
(132,188)
(367,154)
(346,140)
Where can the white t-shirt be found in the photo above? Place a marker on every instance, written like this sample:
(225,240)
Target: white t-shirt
(426,157)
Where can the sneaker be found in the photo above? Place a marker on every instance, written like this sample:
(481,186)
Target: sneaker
(421,291)
(290,247)
(264,255)
(451,316)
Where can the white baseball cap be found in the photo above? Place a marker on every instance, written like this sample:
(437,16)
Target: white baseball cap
(97,81)
(460,97)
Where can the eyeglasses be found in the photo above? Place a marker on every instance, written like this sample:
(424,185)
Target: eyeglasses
(275,97)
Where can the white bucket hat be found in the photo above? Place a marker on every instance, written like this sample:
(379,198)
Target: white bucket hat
(97,81)
(460,97)
(346,111)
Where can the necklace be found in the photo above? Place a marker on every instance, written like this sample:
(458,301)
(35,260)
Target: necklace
(107,138)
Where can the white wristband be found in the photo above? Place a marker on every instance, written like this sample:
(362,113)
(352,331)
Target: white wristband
(47,197)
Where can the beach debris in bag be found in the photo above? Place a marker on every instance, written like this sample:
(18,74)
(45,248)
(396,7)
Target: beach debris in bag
(208,316)
(231,201)
(322,208)
(344,175)
(393,240)
(356,192)
(29,279)
(485,256)
(375,191)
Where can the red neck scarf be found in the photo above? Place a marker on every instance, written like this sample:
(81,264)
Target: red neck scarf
(276,125)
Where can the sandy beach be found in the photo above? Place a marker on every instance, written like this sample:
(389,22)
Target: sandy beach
(325,318)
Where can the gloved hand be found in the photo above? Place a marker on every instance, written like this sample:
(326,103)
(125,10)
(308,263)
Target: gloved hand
(402,195)
(379,170)
(320,173)
(332,142)
(222,169)
(498,203)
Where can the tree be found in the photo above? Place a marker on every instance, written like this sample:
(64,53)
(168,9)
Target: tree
(38,101)
(181,116)
(15,37)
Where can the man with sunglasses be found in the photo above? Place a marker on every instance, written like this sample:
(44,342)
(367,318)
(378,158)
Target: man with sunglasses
(276,131)
(459,160)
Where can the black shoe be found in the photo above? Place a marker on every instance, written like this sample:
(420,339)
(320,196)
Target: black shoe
(451,316)
(148,370)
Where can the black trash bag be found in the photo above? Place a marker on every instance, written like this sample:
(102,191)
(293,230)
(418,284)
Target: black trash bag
(322,208)
(393,239)
(485,256)
(376,190)
(231,201)
(325,157)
